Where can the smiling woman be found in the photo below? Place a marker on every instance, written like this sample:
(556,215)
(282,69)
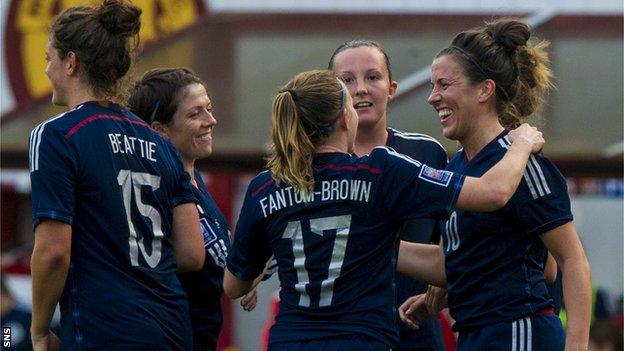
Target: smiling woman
(175,102)
(330,219)
(487,81)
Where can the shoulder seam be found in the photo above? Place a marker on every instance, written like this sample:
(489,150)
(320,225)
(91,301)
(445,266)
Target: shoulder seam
(35,141)
(392,152)
(533,174)
(417,136)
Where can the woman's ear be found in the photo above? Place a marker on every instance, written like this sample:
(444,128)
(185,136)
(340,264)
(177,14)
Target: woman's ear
(160,128)
(71,63)
(486,90)
(392,90)
(343,120)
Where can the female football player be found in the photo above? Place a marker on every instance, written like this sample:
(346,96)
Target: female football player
(175,103)
(113,208)
(487,81)
(331,219)
(364,67)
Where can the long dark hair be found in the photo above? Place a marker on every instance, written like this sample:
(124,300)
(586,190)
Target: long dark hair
(99,36)
(500,51)
(156,96)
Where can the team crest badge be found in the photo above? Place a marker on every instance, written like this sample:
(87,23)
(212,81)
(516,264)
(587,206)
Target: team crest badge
(209,235)
(435,176)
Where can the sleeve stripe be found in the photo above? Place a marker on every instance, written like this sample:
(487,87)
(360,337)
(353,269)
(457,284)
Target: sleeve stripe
(36,151)
(31,147)
(404,157)
(541,174)
(223,248)
(35,141)
(533,175)
(535,178)
(502,143)
(224,252)
(530,184)
(417,136)
(215,256)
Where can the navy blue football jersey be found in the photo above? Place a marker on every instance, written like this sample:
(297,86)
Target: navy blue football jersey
(103,170)
(495,261)
(204,288)
(429,151)
(336,248)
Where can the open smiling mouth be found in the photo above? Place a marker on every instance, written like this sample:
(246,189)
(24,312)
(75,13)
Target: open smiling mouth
(444,114)
(362,105)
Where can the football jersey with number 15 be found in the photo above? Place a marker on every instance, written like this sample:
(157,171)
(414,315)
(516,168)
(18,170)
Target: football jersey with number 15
(103,170)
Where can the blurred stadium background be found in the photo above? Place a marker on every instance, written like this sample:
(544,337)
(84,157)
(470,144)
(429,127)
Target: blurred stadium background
(246,49)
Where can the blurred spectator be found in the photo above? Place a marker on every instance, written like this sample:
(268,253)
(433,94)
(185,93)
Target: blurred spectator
(605,335)
(15,316)
(266,329)
(618,317)
(600,306)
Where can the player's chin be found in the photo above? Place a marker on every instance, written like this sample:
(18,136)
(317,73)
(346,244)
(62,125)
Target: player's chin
(449,132)
(368,119)
(204,151)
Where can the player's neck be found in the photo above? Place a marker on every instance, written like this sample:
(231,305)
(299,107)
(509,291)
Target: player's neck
(338,141)
(330,148)
(80,94)
(189,167)
(369,138)
(484,133)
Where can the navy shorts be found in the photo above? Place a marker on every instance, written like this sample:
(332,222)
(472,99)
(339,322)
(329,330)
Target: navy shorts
(533,333)
(345,343)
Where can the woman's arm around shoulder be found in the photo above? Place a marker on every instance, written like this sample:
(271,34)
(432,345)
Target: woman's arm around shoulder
(495,188)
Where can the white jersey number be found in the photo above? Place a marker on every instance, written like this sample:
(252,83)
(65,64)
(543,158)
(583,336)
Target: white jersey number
(451,235)
(131,182)
(342,226)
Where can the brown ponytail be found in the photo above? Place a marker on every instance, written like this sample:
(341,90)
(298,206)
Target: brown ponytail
(304,113)
(500,51)
(100,38)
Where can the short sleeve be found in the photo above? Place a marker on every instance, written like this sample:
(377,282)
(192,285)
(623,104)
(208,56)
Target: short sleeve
(414,190)
(541,202)
(53,164)
(250,250)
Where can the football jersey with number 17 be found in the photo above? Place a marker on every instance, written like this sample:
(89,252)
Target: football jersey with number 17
(336,248)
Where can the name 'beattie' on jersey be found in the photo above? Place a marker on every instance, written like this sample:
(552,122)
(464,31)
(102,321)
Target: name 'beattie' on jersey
(121,143)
